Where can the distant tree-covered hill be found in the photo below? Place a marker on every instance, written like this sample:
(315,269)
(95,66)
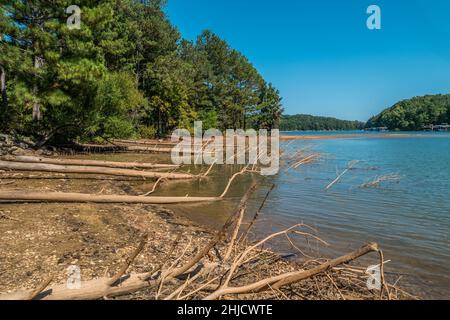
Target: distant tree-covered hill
(414,114)
(302,122)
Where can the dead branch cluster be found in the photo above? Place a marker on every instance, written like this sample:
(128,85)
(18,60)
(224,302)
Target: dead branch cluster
(228,266)
(375,183)
(294,159)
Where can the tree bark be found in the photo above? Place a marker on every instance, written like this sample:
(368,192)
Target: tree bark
(89,163)
(42,167)
(36,64)
(3,89)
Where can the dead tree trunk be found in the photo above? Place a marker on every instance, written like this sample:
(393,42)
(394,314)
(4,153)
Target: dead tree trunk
(42,167)
(3,89)
(89,163)
(90,290)
(36,64)
(92,198)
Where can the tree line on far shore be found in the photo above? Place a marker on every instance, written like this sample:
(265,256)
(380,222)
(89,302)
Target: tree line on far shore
(414,114)
(126,72)
(302,122)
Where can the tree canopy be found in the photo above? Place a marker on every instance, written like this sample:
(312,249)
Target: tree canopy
(414,114)
(126,72)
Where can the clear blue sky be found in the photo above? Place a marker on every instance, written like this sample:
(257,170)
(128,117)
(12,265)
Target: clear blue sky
(322,57)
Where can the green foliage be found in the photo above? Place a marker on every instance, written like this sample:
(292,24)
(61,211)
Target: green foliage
(414,114)
(230,82)
(269,109)
(118,106)
(147,132)
(167,86)
(125,73)
(307,122)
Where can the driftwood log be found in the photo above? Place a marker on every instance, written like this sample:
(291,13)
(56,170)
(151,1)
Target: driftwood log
(156,149)
(90,198)
(90,290)
(148,142)
(43,167)
(93,163)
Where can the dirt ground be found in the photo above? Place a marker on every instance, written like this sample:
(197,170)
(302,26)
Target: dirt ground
(38,239)
(41,239)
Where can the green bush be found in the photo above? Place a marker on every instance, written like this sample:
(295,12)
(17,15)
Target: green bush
(147,132)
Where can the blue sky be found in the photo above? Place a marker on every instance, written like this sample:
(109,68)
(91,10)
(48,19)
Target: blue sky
(322,57)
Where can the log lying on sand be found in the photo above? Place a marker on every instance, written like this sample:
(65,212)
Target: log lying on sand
(9,165)
(156,149)
(90,198)
(146,142)
(153,143)
(90,290)
(153,149)
(89,163)
(127,147)
(95,147)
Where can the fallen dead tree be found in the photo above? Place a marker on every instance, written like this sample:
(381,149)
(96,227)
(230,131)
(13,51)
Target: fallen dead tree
(93,163)
(375,183)
(166,150)
(145,142)
(350,166)
(90,290)
(89,147)
(90,198)
(153,149)
(43,167)
(149,142)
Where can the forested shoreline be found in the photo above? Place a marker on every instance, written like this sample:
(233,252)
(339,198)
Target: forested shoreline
(126,73)
(414,114)
(303,122)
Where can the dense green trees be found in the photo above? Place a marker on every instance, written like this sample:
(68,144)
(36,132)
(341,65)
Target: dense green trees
(414,114)
(126,72)
(307,122)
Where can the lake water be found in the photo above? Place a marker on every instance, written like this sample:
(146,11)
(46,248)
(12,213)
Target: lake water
(408,217)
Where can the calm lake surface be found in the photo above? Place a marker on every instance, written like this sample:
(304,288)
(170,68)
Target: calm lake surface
(408,217)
